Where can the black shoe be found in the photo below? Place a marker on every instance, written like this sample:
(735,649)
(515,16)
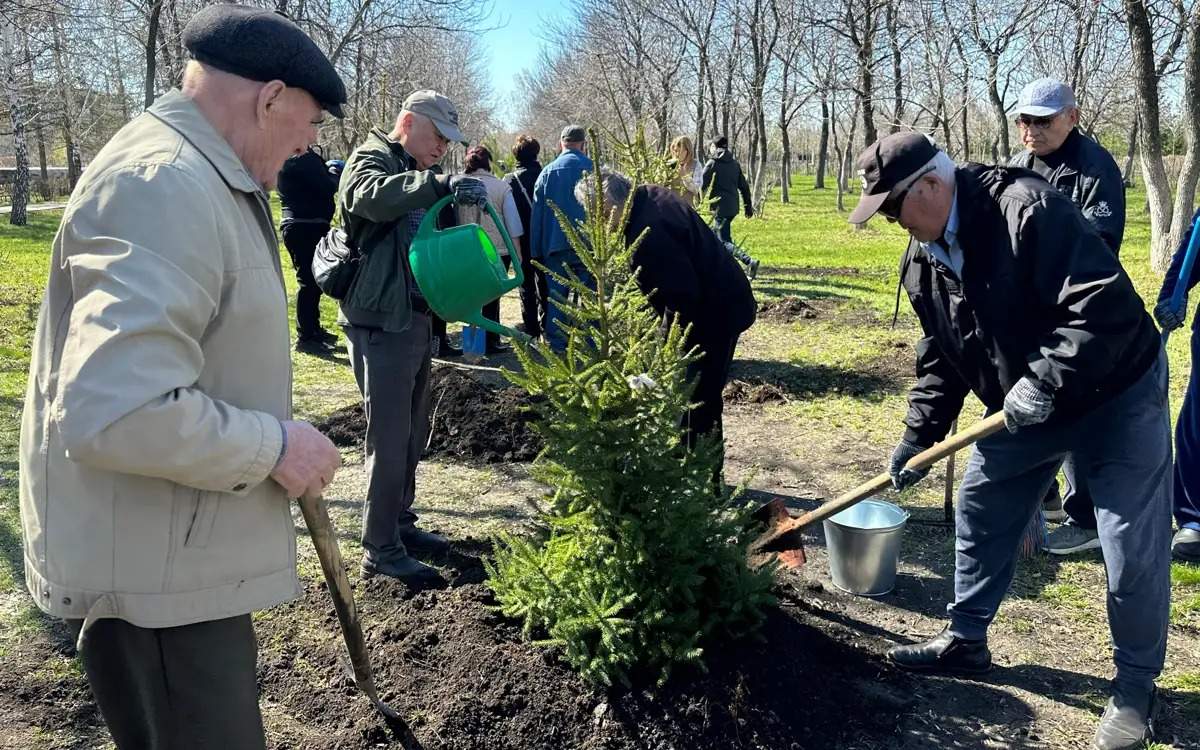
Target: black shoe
(1185,546)
(443,349)
(943,654)
(329,337)
(408,569)
(419,541)
(313,346)
(1128,721)
(497,348)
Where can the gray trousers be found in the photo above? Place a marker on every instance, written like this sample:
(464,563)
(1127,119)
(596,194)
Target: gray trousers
(183,688)
(392,370)
(1123,447)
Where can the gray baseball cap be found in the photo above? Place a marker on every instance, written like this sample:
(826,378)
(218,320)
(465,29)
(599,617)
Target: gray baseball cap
(439,109)
(573,134)
(1045,97)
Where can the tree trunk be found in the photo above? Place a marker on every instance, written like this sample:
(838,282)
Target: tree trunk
(16,114)
(785,161)
(993,82)
(866,101)
(65,88)
(1130,152)
(701,75)
(893,24)
(1154,172)
(152,52)
(39,131)
(1185,188)
(823,144)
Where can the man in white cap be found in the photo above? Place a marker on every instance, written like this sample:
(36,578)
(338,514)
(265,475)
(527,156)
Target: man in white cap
(1021,304)
(1048,120)
(387,185)
(158,451)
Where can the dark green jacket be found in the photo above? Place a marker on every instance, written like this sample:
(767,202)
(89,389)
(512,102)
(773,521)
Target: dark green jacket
(380,187)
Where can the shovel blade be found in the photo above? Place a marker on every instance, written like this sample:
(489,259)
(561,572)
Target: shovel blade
(787,548)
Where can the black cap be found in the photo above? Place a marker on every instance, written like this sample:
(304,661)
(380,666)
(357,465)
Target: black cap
(263,45)
(886,163)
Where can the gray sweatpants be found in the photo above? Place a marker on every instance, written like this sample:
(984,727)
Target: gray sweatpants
(392,370)
(1124,448)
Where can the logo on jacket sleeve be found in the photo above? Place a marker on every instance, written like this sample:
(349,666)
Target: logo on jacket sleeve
(1102,210)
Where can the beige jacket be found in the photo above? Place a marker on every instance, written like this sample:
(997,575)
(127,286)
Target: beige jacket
(501,197)
(159,375)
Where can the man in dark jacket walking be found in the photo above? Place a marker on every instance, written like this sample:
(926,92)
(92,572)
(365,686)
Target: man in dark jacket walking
(686,271)
(389,183)
(723,181)
(306,190)
(1079,167)
(535,294)
(1022,304)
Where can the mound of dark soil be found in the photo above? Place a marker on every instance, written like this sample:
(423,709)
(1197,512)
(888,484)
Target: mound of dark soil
(466,679)
(752,392)
(787,309)
(469,419)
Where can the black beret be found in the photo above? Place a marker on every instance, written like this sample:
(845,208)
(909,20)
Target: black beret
(263,45)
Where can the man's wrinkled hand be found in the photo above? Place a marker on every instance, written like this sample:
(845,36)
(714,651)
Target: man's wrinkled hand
(1027,404)
(468,191)
(308,463)
(903,478)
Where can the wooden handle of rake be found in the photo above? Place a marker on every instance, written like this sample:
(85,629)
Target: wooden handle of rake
(922,460)
(324,537)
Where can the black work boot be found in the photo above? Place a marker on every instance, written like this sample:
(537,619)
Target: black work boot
(1128,720)
(406,568)
(421,542)
(1185,546)
(943,654)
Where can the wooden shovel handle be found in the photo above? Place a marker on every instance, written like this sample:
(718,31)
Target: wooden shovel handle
(922,460)
(324,537)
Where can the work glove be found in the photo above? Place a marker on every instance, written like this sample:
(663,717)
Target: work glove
(749,211)
(903,478)
(468,191)
(1169,319)
(1027,404)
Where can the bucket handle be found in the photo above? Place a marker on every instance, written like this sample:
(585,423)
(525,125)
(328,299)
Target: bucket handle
(428,227)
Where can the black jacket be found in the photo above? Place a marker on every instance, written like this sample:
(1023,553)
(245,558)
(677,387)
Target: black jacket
(521,181)
(1039,296)
(684,268)
(306,189)
(724,176)
(1087,173)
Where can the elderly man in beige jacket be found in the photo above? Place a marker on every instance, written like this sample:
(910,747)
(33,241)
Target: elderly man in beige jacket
(157,449)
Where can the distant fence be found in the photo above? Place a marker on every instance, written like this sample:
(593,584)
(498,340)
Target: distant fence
(56,184)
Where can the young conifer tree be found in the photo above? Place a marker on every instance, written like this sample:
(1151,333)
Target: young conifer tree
(642,559)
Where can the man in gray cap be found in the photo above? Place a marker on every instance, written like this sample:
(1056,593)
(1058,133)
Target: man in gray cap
(547,241)
(1023,305)
(387,185)
(1047,119)
(158,451)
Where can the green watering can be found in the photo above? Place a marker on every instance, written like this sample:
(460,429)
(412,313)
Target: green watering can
(459,271)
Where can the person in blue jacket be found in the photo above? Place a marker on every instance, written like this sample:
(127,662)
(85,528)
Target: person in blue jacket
(547,242)
(1186,543)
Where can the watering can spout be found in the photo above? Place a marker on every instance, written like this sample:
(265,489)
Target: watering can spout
(490,325)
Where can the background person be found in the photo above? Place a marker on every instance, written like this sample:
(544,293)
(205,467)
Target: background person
(689,171)
(535,294)
(723,181)
(306,188)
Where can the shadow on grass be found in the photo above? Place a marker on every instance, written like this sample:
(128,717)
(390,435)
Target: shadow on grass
(810,380)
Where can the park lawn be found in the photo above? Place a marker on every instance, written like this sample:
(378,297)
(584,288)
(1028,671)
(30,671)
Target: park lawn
(851,368)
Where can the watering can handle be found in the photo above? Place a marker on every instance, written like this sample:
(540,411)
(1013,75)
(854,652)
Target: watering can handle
(428,227)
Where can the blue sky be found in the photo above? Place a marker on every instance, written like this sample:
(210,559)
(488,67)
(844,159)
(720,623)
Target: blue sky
(515,47)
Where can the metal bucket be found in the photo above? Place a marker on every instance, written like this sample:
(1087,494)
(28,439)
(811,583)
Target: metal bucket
(864,545)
